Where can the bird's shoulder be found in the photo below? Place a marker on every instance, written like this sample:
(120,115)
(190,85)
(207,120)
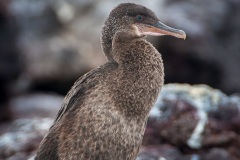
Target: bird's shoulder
(82,86)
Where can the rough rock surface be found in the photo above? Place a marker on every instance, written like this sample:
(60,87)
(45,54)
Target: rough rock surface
(197,120)
(186,123)
(23,138)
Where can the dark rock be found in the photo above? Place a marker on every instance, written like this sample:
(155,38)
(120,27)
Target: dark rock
(210,53)
(10,65)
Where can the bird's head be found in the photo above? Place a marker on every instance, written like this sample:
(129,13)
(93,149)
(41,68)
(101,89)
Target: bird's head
(134,21)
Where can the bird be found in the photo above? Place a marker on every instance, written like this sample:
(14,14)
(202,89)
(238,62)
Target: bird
(104,114)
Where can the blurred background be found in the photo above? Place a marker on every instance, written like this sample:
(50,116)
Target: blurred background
(45,45)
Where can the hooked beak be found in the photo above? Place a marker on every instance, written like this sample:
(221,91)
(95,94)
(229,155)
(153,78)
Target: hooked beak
(159,29)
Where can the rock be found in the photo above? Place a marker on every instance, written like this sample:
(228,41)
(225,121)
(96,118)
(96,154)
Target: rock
(23,137)
(219,154)
(183,104)
(193,118)
(156,152)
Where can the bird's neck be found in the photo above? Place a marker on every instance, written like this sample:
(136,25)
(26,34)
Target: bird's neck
(140,75)
(134,52)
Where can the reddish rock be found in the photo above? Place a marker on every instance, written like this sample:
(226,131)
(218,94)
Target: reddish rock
(196,120)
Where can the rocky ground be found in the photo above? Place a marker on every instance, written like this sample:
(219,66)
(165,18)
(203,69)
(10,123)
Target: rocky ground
(193,123)
(186,123)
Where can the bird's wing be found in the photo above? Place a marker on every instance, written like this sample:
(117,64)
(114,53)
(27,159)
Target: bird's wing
(84,83)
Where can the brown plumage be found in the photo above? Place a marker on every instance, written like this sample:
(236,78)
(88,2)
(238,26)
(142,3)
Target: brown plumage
(104,114)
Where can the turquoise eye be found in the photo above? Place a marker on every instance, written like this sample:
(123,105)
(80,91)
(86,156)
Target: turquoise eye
(139,17)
